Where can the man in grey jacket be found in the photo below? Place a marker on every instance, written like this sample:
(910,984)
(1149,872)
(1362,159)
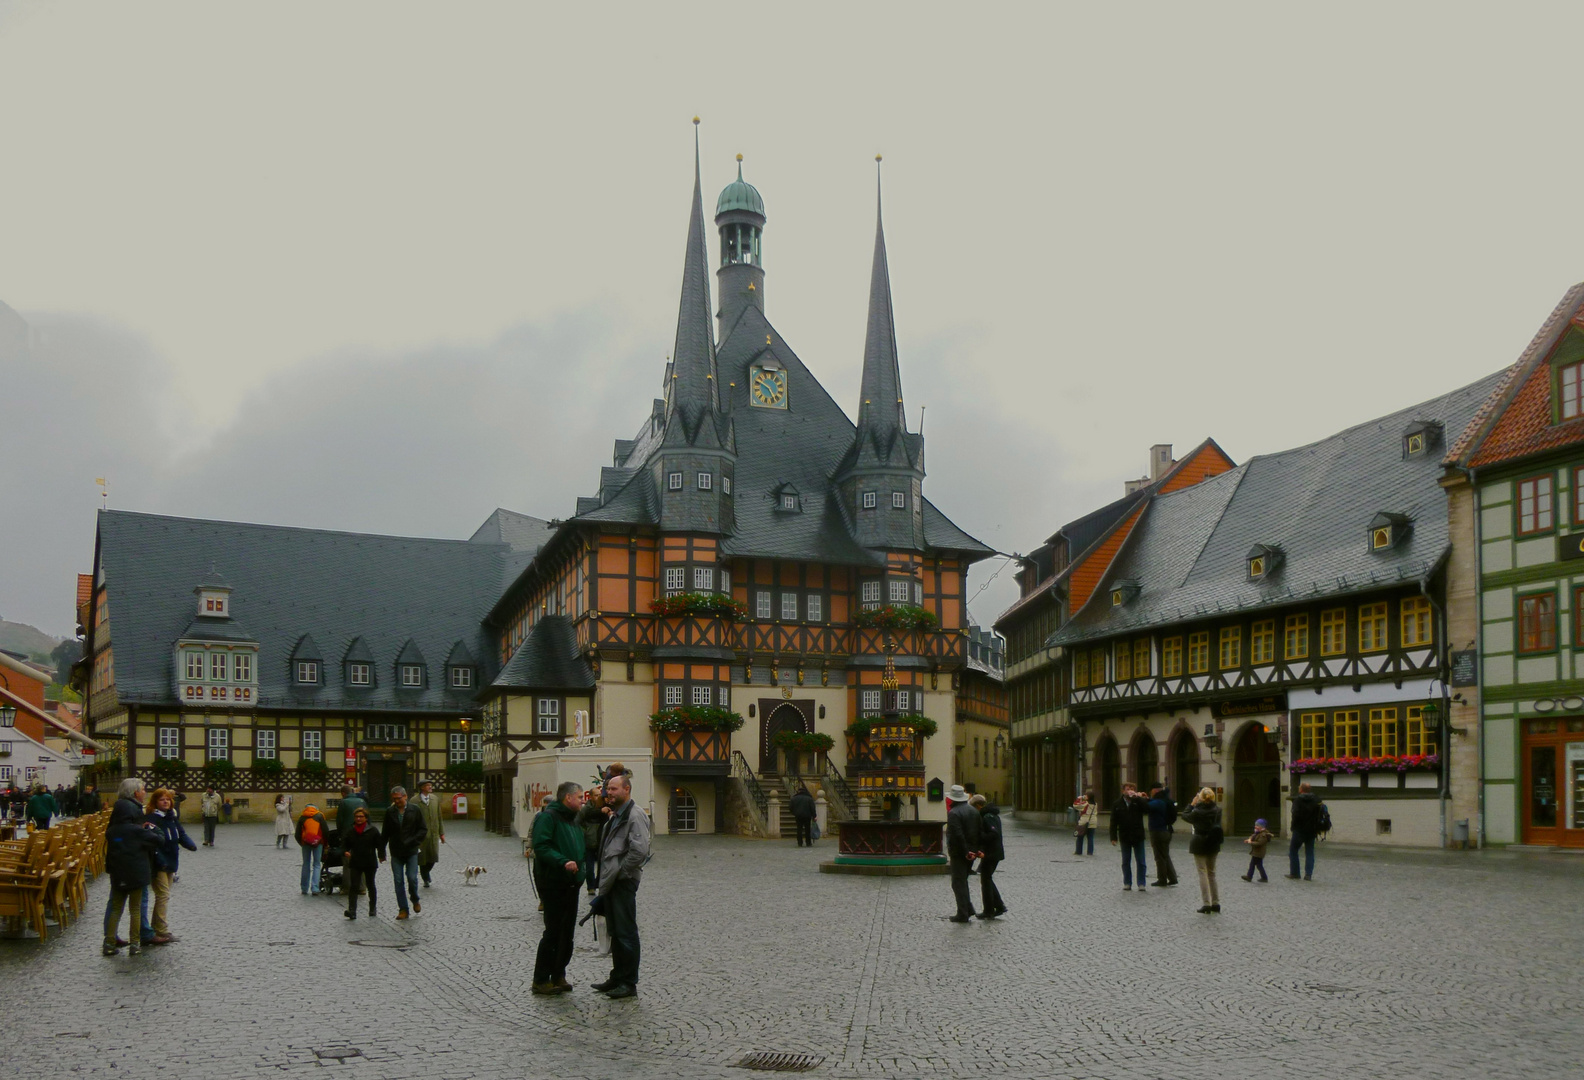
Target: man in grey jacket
(624,849)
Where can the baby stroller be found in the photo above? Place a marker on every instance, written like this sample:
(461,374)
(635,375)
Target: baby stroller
(332,876)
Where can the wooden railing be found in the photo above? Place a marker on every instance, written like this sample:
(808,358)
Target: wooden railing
(693,748)
(747,637)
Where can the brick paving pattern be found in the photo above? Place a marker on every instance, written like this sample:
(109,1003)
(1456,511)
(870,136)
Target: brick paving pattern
(1390,964)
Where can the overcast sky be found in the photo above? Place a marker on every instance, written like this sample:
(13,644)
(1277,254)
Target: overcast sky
(385,267)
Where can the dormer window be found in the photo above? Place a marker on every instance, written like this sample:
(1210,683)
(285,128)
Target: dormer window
(307,672)
(1123,592)
(1386,531)
(789,502)
(1263,559)
(788,499)
(412,676)
(674,481)
(1569,379)
(1421,437)
(360,675)
(461,678)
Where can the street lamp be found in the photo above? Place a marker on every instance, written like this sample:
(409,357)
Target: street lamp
(7,716)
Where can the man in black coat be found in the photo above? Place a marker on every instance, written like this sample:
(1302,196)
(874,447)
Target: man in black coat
(962,847)
(404,835)
(990,902)
(1305,827)
(1130,826)
(130,843)
(802,807)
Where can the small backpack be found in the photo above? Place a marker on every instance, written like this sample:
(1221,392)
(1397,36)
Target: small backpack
(1323,819)
(1171,812)
(310,832)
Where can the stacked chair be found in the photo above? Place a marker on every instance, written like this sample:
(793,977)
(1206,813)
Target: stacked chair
(43,878)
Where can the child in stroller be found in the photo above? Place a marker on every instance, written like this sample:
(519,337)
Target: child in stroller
(332,875)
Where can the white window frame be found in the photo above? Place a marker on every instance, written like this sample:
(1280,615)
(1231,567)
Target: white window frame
(219,666)
(547,716)
(313,745)
(725,581)
(461,677)
(308,672)
(264,741)
(918,594)
(702,694)
(457,748)
(218,742)
(476,746)
(675,580)
(705,481)
(789,502)
(169,743)
(899,500)
(412,676)
(674,481)
(242,667)
(869,594)
(816,607)
(723,697)
(898,590)
(762,604)
(872,702)
(5,772)
(673,694)
(195,665)
(789,607)
(360,674)
(870,500)
(703,579)
(725,485)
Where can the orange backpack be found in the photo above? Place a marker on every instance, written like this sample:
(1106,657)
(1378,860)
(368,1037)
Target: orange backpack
(310,832)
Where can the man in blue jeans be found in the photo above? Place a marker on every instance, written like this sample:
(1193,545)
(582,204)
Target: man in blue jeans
(1305,827)
(1129,824)
(404,834)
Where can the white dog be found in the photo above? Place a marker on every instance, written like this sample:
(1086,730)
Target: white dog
(470,874)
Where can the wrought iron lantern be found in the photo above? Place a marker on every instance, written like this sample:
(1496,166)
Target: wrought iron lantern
(1430,713)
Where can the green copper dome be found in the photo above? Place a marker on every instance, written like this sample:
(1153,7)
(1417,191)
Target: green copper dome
(740,195)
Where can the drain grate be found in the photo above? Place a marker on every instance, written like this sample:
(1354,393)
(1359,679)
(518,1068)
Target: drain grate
(384,944)
(769,1061)
(337,1053)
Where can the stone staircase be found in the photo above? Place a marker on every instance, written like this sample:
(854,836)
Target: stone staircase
(777,786)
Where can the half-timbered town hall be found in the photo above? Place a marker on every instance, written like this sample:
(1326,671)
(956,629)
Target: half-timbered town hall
(756,594)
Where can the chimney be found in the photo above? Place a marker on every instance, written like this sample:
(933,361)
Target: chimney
(1160,460)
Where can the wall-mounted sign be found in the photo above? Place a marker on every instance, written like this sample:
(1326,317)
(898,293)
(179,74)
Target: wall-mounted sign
(1570,546)
(1465,668)
(351,756)
(1251,706)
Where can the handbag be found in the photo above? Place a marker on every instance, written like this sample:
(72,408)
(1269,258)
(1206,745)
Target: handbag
(814,831)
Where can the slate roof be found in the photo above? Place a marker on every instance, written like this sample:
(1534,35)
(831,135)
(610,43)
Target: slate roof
(1314,502)
(522,535)
(295,590)
(547,660)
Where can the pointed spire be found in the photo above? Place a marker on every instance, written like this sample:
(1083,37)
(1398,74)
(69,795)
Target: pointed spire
(694,398)
(882,422)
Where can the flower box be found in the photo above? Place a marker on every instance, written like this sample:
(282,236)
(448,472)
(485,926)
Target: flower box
(897,617)
(1403,764)
(695,718)
(711,605)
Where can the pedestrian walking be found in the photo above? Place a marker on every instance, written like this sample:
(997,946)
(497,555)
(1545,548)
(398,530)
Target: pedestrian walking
(209,806)
(802,807)
(161,813)
(283,820)
(404,836)
(558,849)
(1162,814)
(990,903)
(434,829)
(1205,816)
(624,849)
(1309,819)
(41,808)
(1257,845)
(1088,817)
(90,802)
(962,847)
(130,843)
(591,819)
(312,833)
(1129,826)
(362,850)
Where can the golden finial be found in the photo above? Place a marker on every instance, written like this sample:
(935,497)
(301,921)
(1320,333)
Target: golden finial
(767,339)
(739,157)
(877,156)
(695,121)
(750,287)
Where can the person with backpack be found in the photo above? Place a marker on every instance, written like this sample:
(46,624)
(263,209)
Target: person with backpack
(312,832)
(1205,844)
(1162,815)
(993,852)
(1310,818)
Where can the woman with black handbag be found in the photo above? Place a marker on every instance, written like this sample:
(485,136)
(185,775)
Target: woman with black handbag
(1205,817)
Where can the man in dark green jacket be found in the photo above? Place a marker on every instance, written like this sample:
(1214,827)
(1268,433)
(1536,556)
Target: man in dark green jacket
(41,807)
(558,871)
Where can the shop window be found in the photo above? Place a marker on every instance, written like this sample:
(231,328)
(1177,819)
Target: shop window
(1296,633)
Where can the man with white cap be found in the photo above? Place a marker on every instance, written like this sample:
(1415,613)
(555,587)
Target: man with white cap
(962,847)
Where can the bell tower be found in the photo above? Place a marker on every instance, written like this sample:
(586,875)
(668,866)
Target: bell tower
(740,220)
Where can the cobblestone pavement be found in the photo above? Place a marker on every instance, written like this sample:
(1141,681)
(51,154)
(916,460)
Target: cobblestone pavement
(1389,964)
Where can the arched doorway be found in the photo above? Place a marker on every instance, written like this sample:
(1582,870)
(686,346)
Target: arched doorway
(784,717)
(1256,781)
(1146,761)
(1184,766)
(684,811)
(1108,771)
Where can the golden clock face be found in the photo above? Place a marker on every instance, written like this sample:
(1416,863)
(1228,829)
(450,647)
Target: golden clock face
(767,389)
